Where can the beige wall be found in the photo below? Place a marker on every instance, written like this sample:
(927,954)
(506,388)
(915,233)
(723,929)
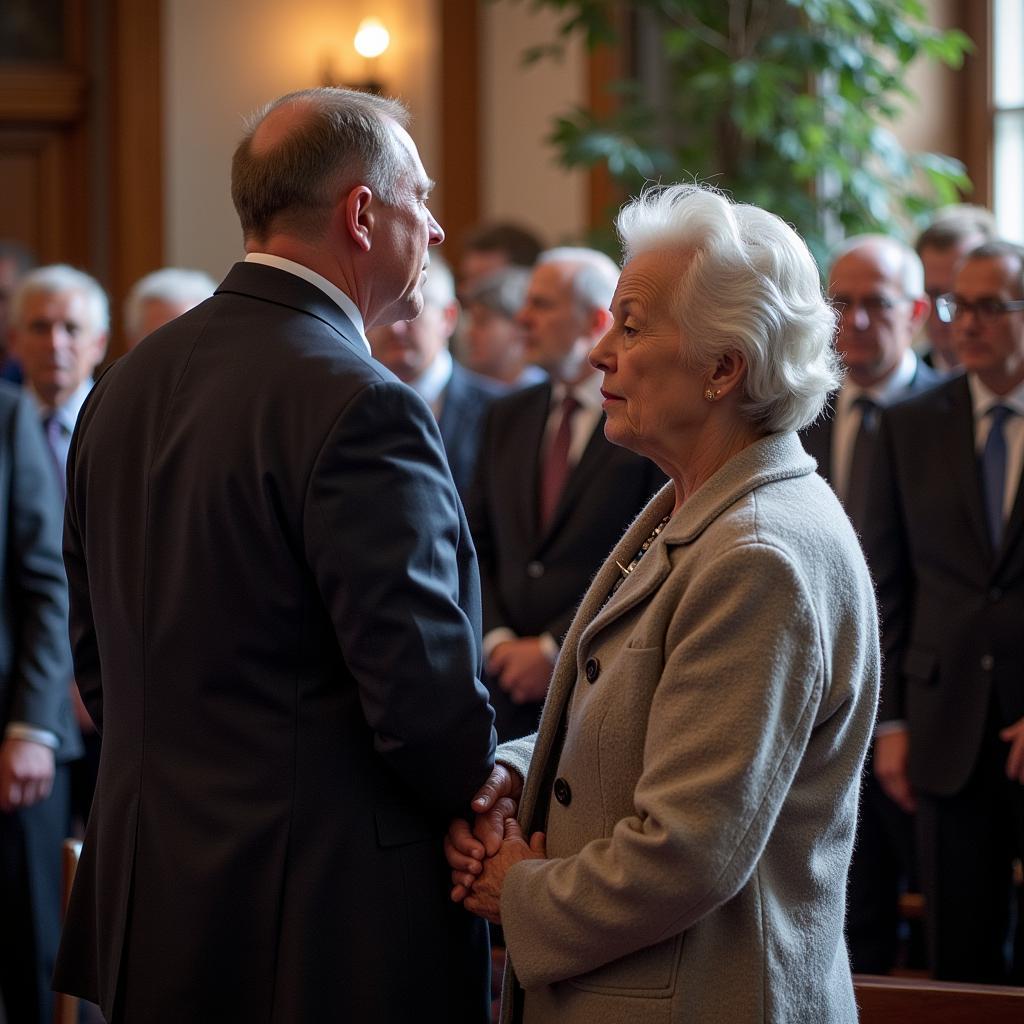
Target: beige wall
(225,58)
(521,180)
(932,123)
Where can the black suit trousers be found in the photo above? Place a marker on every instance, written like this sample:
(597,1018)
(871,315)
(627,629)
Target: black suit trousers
(968,842)
(30,903)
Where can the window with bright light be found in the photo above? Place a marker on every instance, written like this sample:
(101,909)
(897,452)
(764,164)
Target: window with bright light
(1008,126)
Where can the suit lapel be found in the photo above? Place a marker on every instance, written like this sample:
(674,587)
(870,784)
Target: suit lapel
(1013,525)
(817,442)
(959,441)
(526,442)
(595,456)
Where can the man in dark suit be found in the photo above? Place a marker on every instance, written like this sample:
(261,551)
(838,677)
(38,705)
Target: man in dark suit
(416,352)
(877,286)
(945,536)
(59,329)
(551,494)
(274,616)
(942,246)
(37,731)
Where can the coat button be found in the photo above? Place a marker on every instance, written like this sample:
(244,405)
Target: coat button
(592,670)
(535,570)
(987,662)
(563,794)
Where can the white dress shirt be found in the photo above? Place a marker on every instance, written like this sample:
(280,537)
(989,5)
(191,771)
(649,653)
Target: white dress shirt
(982,401)
(848,415)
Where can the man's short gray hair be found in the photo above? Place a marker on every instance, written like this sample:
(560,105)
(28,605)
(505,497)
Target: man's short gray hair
(56,279)
(439,286)
(595,275)
(749,285)
(171,285)
(503,292)
(953,225)
(909,276)
(344,139)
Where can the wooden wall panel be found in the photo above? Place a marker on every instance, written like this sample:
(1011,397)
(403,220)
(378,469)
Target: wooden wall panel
(461,158)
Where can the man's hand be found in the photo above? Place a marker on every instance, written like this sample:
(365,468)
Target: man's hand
(1014,735)
(892,752)
(26,773)
(522,668)
(485,898)
(465,848)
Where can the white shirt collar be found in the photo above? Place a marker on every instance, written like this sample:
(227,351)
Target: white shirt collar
(332,291)
(587,392)
(67,414)
(982,399)
(883,391)
(432,382)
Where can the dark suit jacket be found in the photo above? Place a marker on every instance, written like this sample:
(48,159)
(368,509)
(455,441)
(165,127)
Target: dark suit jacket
(274,617)
(532,579)
(35,673)
(952,608)
(466,401)
(817,438)
(35,670)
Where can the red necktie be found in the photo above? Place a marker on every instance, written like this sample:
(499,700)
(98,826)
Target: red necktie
(556,463)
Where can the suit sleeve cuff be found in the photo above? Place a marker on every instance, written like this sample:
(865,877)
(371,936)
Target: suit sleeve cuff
(496,636)
(549,645)
(21,731)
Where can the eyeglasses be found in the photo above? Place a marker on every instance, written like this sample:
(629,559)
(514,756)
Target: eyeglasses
(950,308)
(876,306)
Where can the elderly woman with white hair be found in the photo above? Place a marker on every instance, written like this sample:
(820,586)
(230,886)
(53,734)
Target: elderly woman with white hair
(691,793)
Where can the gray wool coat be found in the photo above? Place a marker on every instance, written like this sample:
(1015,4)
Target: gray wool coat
(719,709)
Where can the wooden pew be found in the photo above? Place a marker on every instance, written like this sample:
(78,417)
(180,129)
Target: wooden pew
(65,1007)
(883,1000)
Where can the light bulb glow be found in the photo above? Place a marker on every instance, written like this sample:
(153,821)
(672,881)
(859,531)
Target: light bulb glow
(372,38)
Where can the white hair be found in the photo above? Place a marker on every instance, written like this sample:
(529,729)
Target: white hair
(595,274)
(910,271)
(749,285)
(439,287)
(57,278)
(172,285)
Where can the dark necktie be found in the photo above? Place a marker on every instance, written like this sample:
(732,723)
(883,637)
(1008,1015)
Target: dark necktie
(859,479)
(993,473)
(55,441)
(555,470)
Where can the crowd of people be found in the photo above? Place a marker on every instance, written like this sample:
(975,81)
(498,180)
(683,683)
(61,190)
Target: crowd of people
(662,625)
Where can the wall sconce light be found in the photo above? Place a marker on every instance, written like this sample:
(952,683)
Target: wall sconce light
(371,40)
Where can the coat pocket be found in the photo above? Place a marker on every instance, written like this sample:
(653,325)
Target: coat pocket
(649,972)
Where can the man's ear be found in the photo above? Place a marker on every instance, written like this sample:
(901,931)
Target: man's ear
(450,317)
(918,315)
(356,213)
(600,320)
